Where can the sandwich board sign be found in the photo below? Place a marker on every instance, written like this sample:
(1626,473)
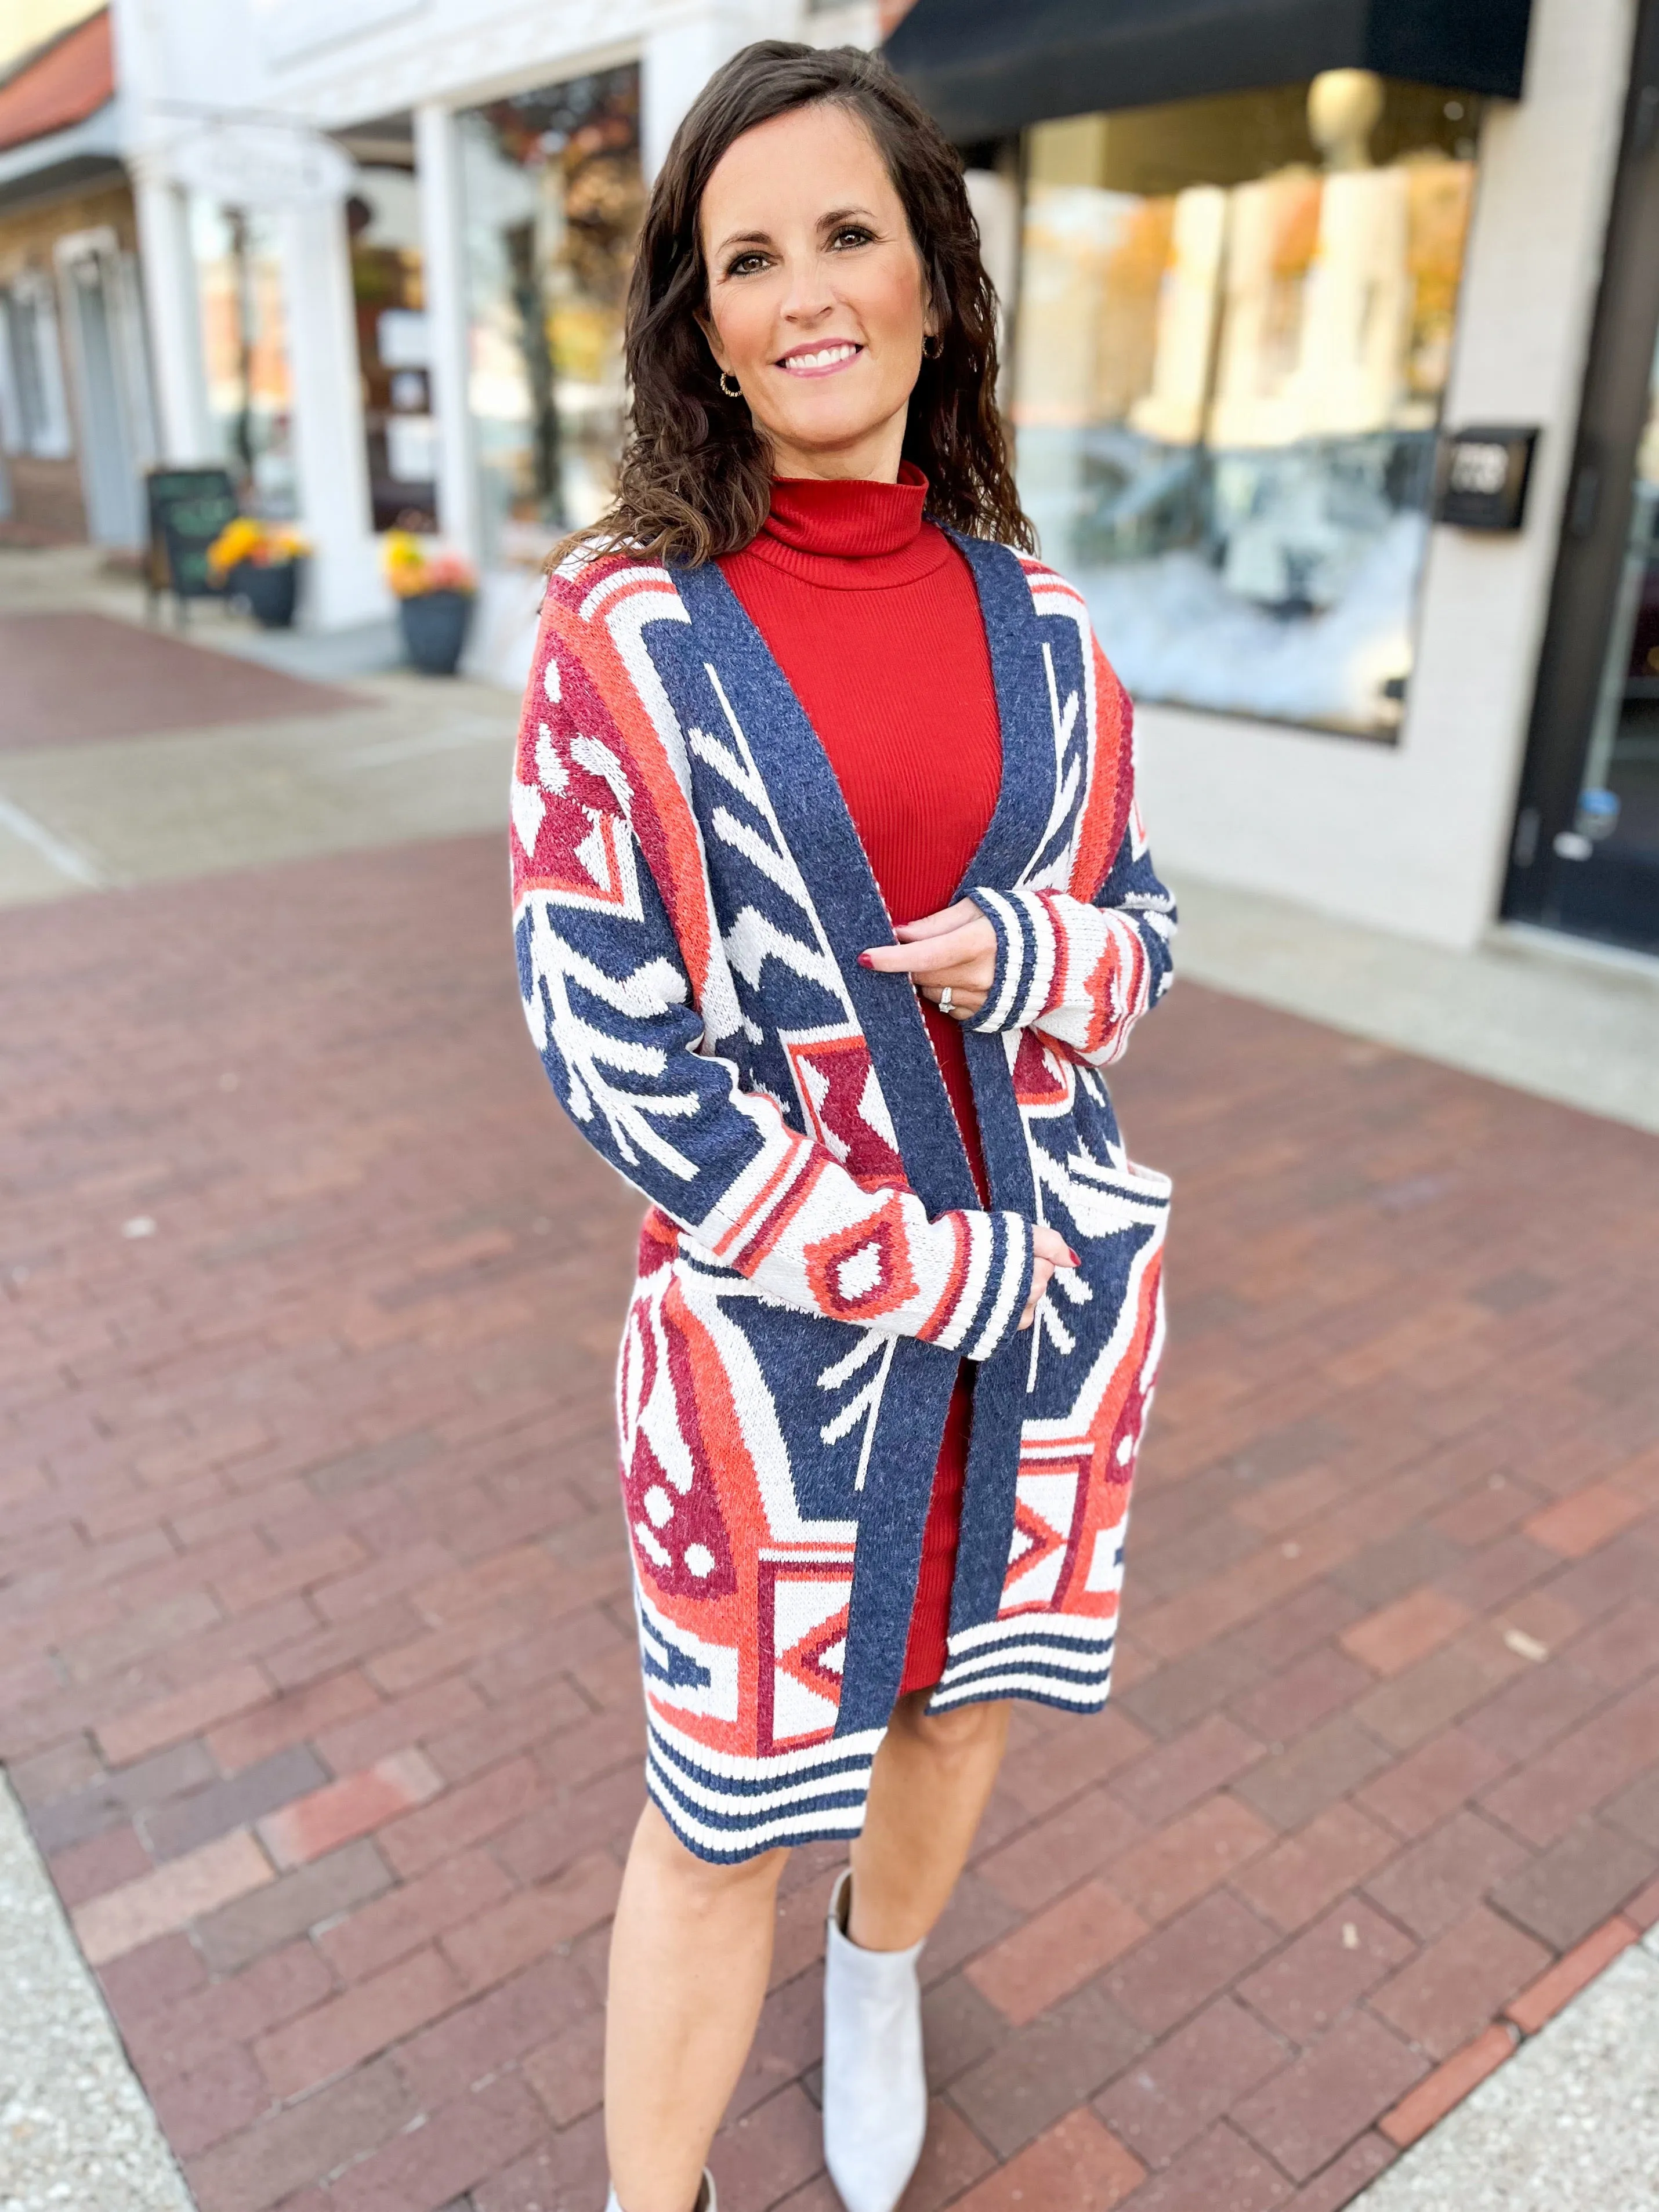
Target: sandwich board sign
(188,508)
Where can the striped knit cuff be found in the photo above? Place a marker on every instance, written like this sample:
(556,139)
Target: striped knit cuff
(1029,953)
(1004,1264)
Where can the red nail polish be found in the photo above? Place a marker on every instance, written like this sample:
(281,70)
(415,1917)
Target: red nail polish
(865,961)
(1076,1261)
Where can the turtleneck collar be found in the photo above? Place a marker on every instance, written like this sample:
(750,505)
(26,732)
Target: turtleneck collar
(852,534)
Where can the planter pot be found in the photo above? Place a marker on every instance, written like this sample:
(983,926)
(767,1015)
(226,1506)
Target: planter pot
(434,629)
(271,590)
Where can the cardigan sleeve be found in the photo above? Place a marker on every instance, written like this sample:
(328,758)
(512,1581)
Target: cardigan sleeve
(608,997)
(1082,971)
(1082,961)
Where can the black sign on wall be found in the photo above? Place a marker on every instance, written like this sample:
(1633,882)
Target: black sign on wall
(1483,477)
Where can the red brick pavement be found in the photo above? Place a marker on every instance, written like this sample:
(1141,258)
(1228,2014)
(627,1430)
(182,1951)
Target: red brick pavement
(315,1660)
(70,677)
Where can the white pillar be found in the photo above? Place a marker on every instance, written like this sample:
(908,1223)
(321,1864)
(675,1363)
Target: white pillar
(331,457)
(185,428)
(443,259)
(184,423)
(683,50)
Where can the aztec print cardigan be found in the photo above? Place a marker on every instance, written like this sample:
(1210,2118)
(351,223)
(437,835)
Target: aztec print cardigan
(691,899)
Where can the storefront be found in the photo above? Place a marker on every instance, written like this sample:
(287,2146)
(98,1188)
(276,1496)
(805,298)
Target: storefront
(1259,262)
(1233,336)
(401,304)
(75,415)
(552,194)
(1268,258)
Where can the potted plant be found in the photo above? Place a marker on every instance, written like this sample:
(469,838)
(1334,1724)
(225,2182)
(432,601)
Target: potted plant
(435,590)
(260,562)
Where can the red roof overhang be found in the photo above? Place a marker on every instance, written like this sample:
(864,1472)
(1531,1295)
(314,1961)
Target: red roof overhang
(60,84)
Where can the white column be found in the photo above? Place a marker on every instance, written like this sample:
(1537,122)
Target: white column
(682,50)
(183,422)
(184,428)
(443,258)
(331,460)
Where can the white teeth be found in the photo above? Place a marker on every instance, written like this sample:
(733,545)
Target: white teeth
(825,359)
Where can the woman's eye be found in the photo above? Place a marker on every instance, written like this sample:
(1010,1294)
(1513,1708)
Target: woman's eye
(853,234)
(744,263)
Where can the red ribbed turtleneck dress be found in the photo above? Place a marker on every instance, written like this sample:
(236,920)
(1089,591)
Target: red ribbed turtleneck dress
(872,616)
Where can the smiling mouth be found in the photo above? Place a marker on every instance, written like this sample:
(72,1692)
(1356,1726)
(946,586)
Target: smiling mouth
(820,360)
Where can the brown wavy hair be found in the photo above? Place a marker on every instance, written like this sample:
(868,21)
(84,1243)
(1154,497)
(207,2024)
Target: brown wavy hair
(694,478)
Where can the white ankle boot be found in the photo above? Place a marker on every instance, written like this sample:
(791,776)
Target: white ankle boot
(705,2196)
(875,2091)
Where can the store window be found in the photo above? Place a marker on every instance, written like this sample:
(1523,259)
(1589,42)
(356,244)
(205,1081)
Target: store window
(1234,332)
(33,407)
(245,344)
(554,196)
(383,216)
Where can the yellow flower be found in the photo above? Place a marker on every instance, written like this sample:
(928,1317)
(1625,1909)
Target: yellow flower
(247,538)
(233,545)
(403,558)
(415,564)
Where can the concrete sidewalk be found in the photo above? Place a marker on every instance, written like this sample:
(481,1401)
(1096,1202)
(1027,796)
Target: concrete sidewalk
(132,755)
(76,2131)
(395,756)
(1570,2124)
(1551,1014)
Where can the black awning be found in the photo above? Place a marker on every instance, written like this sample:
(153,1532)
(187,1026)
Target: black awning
(984,67)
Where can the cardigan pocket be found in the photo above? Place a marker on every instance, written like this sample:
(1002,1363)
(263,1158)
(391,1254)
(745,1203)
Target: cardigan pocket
(794,1400)
(1117,1218)
(752,1439)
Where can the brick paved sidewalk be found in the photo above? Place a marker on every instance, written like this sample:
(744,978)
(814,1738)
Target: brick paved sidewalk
(72,676)
(316,1670)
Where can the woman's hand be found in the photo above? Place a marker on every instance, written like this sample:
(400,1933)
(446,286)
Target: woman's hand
(955,950)
(1049,1250)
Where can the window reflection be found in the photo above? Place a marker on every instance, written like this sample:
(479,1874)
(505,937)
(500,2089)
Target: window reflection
(245,345)
(1235,329)
(554,197)
(394,350)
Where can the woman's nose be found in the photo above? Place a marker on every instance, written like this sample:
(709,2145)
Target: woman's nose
(807,293)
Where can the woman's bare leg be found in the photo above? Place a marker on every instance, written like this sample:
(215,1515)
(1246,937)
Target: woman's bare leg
(932,1778)
(689,1957)
(692,1946)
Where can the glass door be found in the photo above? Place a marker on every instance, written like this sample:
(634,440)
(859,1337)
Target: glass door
(1586,851)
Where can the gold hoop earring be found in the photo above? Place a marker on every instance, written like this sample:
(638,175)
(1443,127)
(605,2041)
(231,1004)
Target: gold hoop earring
(729,385)
(931,346)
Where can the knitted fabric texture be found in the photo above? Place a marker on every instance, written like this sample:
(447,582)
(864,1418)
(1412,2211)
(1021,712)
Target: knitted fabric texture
(691,899)
(871,614)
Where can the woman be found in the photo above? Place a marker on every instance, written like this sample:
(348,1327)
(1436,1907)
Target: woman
(831,902)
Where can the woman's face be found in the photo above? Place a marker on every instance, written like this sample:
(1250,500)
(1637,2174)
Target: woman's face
(816,300)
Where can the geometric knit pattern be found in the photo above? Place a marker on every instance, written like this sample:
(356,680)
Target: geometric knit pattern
(689,900)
